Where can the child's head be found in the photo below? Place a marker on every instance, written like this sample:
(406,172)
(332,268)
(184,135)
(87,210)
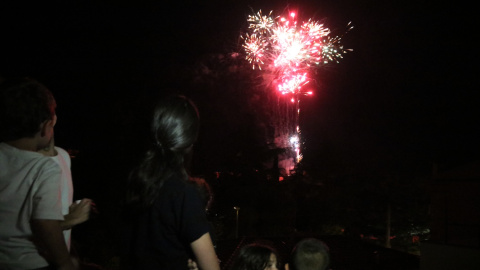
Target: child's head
(256,257)
(175,124)
(25,107)
(310,254)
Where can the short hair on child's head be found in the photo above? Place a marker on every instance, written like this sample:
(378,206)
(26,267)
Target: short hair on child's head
(24,105)
(255,256)
(310,254)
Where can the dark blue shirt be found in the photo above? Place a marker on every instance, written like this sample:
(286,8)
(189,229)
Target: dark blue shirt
(159,237)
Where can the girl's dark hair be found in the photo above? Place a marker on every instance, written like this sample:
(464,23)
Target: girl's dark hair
(24,105)
(174,129)
(254,256)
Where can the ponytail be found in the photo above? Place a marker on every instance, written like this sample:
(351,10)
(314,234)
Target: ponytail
(174,128)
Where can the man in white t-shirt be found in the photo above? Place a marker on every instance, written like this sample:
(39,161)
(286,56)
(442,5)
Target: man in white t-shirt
(30,191)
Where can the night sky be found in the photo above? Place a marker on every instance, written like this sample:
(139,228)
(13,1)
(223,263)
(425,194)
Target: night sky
(405,98)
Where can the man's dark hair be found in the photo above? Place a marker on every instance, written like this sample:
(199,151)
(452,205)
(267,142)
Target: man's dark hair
(310,254)
(24,105)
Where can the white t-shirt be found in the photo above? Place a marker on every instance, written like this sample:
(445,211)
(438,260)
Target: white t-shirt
(29,189)
(63,159)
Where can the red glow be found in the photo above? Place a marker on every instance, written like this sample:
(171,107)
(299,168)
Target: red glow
(415,239)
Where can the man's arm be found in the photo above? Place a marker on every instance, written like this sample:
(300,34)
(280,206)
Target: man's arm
(205,253)
(49,236)
(78,213)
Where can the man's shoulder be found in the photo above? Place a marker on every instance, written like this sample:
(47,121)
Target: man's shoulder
(8,150)
(47,163)
(62,152)
(15,159)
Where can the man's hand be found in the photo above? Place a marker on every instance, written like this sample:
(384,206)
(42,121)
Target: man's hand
(78,213)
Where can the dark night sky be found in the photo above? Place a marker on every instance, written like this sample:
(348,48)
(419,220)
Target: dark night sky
(406,95)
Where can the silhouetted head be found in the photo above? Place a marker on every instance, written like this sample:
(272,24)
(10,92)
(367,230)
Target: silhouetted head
(25,105)
(174,128)
(310,254)
(175,124)
(256,257)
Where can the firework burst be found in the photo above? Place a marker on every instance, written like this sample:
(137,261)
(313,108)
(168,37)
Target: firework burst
(260,23)
(288,51)
(332,50)
(283,46)
(255,49)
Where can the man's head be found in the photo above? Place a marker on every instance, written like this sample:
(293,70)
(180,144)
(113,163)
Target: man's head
(310,254)
(27,110)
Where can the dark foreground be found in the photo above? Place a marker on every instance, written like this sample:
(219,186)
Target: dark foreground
(346,254)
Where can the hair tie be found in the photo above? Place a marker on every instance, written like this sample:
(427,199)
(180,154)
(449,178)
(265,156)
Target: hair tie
(158,144)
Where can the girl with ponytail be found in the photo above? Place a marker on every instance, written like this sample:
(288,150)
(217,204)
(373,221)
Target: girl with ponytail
(164,214)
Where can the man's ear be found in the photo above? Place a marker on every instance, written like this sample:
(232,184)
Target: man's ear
(54,120)
(47,124)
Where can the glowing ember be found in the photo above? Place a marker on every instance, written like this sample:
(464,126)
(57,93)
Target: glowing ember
(292,83)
